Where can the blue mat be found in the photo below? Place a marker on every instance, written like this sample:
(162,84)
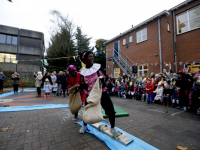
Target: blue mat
(34,107)
(137,144)
(11,93)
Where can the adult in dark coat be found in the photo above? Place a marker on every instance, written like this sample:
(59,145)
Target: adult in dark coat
(2,78)
(182,87)
(59,91)
(46,75)
(64,83)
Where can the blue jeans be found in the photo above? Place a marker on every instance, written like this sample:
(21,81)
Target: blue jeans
(150,97)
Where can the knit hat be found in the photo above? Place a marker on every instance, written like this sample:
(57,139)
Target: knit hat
(46,80)
(125,84)
(175,75)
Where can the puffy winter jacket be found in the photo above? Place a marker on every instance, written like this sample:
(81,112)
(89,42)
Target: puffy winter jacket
(150,87)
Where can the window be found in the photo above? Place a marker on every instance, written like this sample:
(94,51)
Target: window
(188,20)
(124,41)
(8,39)
(116,72)
(168,29)
(2,38)
(143,69)
(141,35)
(9,58)
(14,40)
(130,39)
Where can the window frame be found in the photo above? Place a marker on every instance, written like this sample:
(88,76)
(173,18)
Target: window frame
(11,39)
(168,27)
(116,72)
(142,70)
(10,58)
(188,20)
(131,39)
(124,41)
(141,35)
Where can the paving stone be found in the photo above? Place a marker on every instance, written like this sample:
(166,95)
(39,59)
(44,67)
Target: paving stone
(46,129)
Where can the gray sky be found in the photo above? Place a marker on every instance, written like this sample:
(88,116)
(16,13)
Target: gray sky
(98,19)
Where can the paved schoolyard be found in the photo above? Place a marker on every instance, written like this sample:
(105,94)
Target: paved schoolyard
(47,129)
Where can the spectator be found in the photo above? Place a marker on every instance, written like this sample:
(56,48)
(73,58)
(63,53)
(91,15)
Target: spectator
(153,75)
(175,100)
(46,75)
(55,88)
(109,87)
(197,99)
(129,77)
(150,89)
(124,76)
(138,95)
(119,79)
(182,87)
(38,82)
(47,88)
(2,78)
(53,77)
(15,78)
(63,82)
(159,93)
(59,92)
(167,93)
(117,85)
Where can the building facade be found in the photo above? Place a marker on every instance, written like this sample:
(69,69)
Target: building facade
(21,50)
(168,40)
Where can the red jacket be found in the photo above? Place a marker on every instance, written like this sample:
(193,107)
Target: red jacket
(150,87)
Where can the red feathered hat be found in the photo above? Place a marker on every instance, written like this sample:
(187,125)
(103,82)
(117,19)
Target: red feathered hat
(149,80)
(181,72)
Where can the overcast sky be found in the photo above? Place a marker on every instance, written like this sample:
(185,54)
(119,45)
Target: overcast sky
(98,18)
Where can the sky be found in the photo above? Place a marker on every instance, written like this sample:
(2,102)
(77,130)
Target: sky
(97,18)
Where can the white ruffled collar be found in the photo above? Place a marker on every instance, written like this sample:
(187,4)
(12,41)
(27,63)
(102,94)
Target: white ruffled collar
(88,71)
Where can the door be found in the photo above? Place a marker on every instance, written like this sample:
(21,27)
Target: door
(116,49)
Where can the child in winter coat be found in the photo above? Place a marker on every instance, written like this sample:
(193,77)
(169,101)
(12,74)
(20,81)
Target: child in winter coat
(117,85)
(130,89)
(133,90)
(124,92)
(138,94)
(55,88)
(121,89)
(150,89)
(144,92)
(175,100)
(159,92)
(167,93)
(47,88)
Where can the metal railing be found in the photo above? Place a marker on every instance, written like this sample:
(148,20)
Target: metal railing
(121,59)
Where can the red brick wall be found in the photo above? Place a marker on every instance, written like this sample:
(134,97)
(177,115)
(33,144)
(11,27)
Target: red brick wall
(188,43)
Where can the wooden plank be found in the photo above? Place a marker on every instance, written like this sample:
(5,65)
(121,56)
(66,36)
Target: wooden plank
(123,138)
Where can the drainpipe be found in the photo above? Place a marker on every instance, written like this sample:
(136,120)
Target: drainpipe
(174,26)
(159,41)
(112,68)
(18,43)
(42,54)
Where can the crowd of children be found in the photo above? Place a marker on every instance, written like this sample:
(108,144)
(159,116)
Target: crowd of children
(179,90)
